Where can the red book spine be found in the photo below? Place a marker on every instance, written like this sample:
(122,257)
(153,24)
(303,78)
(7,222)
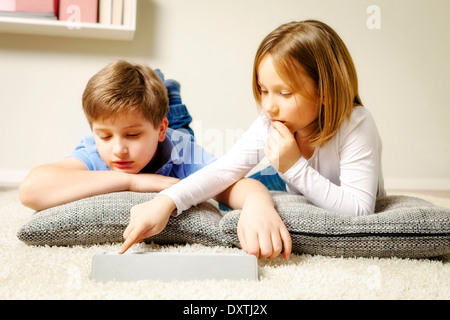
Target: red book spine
(8,5)
(37,6)
(79,10)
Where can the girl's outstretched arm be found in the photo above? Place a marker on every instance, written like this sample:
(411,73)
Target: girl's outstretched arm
(261,231)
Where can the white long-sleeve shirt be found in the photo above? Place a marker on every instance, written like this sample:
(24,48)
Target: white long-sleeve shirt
(344,175)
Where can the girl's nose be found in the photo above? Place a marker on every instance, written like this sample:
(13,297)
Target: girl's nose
(270,105)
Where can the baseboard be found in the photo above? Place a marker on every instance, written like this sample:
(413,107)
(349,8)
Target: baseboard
(12,177)
(417,184)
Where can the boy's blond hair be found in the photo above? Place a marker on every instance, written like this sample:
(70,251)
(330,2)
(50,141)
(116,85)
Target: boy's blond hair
(317,49)
(124,87)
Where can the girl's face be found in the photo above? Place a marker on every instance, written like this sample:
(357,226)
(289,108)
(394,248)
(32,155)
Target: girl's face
(128,142)
(297,110)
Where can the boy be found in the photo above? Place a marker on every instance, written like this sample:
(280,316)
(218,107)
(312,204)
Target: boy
(131,148)
(126,107)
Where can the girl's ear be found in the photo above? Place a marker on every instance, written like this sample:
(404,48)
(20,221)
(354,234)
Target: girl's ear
(162,129)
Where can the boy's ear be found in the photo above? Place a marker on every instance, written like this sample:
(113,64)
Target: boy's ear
(162,129)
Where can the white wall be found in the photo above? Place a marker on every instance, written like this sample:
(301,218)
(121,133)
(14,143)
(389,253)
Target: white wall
(209,45)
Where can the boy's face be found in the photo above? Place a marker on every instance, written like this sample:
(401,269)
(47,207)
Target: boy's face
(127,142)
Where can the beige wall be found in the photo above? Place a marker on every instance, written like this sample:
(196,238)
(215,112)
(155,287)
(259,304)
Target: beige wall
(208,45)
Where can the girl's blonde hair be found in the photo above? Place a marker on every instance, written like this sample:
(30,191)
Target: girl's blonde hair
(317,49)
(124,87)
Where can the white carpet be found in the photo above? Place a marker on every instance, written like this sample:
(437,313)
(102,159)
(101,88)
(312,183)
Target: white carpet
(28,272)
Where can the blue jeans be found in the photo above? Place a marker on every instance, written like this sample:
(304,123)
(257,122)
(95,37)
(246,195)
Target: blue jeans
(178,116)
(270,178)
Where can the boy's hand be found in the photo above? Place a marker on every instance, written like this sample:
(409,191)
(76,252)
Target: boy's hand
(261,231)
(282,149)
(149,182)
(147,219)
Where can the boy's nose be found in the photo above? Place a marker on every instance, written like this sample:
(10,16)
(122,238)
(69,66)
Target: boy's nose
(120,148)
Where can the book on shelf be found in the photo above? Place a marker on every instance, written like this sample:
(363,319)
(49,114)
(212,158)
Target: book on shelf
(79,10)
(107,12)
(128,6)
(33,9)
(116,12)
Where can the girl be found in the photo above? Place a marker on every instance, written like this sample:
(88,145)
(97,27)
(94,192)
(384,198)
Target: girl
(312,128)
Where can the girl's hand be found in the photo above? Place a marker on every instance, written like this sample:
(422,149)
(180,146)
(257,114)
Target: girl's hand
(149,182)
(261,231)
(281,148)
(147,219)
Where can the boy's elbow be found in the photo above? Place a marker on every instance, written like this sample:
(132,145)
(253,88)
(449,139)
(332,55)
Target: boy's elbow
(25,195)
(28,196)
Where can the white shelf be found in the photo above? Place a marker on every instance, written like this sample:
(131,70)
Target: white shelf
(67,29)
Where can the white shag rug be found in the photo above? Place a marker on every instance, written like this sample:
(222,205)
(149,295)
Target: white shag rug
(29,272)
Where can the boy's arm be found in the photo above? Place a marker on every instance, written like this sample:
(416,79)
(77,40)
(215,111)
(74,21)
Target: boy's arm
(65,181)
(261,231)
(69,180)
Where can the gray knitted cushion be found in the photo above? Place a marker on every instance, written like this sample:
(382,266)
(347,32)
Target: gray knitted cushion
(103,219)
(404,227)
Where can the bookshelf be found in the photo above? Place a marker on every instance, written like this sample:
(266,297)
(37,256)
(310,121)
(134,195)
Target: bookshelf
(69,29)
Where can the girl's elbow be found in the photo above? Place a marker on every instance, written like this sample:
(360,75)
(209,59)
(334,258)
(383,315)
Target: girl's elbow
(364,209)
